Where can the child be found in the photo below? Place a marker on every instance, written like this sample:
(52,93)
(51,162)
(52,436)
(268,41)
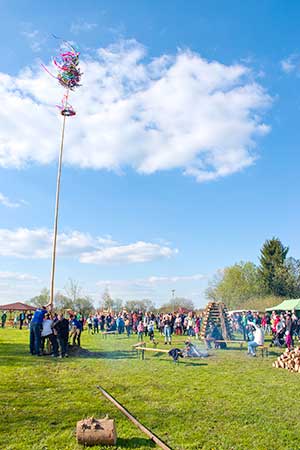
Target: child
(288,339)
(197,328)
(140,330)
(90,325)
(151,330)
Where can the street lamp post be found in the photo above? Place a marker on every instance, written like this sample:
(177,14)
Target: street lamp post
(173,299)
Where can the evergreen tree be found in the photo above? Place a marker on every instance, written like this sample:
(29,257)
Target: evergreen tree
(272,269)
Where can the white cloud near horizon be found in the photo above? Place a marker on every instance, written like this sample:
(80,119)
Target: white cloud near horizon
(153,280)
(156,287)
(173,112)
(16,276)
(37,244)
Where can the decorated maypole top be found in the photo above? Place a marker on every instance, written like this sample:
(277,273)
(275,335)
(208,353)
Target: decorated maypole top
(68,75)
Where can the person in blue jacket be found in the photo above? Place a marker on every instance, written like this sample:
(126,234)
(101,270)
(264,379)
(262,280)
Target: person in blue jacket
(76,329)
(36,326)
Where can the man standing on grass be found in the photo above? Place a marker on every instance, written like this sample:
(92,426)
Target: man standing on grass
(3,319)
(61,329)
(36,326)
(21,319)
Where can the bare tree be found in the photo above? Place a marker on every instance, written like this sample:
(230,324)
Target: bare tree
(107,301)
(73,290)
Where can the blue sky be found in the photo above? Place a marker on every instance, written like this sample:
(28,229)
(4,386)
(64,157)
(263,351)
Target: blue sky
(183,156)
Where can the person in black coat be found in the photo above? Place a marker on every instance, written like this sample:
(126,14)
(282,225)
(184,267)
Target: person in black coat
(61,329)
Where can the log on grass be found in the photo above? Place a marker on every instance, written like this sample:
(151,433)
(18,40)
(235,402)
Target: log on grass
(93,431)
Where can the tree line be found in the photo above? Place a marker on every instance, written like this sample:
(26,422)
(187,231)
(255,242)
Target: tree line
(73,298)
(247,285)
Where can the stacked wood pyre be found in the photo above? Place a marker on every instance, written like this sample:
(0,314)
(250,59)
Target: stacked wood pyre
(289,360)
(216,312)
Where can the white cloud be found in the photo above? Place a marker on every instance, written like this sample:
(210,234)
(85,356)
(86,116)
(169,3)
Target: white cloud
(154,287)
(37,244)
(35,39)
(152,280)
(15,276)
(175,279)
(174,112)
(5,201)
(289,64)
(81,25)
(133,253)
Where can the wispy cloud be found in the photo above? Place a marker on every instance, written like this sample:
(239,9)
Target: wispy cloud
(35,39)
(153,280)
(154,287)
(5,201)
(290,64)
(37,243)
(208,130)
(81,25)
(16,276)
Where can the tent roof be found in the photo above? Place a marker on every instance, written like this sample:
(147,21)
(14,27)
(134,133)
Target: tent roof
(17,306)
(287,305)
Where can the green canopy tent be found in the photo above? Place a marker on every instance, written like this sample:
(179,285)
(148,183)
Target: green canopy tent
(287,305)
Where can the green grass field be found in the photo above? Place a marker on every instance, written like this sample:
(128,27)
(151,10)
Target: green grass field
(227,401)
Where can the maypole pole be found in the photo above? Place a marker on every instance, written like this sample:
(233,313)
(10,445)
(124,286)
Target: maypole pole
(56,212)
(68,76)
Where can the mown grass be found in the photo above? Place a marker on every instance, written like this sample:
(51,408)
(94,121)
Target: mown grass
(228,401)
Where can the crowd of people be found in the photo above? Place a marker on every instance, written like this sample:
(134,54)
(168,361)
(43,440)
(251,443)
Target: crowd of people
(56,329)
(144,324)
(284,328)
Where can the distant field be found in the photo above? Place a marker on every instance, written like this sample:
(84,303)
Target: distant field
(228,401)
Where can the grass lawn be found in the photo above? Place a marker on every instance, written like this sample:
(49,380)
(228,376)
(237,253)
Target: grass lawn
(227,401)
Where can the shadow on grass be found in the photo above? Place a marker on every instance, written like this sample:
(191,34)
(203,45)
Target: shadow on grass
(14,354)
(182,362)
(115,354)
(135,442)
(193,363)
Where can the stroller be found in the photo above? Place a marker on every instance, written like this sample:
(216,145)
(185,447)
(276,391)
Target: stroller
(278,339)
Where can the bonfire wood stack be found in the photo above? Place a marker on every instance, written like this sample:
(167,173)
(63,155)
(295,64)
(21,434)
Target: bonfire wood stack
(216,312)
(289,360)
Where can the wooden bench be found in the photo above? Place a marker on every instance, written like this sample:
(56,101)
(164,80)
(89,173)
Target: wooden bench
(136,346)
(107,333)
(219,341)
(144,349)
(264,350)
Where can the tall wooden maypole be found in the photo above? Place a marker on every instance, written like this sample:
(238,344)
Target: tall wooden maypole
(68,75)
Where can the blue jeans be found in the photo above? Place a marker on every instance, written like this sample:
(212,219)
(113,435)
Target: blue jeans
(167,333)
(251,347)
(35,338)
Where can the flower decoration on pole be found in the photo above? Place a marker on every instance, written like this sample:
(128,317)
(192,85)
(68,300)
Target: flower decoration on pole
(69,76)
